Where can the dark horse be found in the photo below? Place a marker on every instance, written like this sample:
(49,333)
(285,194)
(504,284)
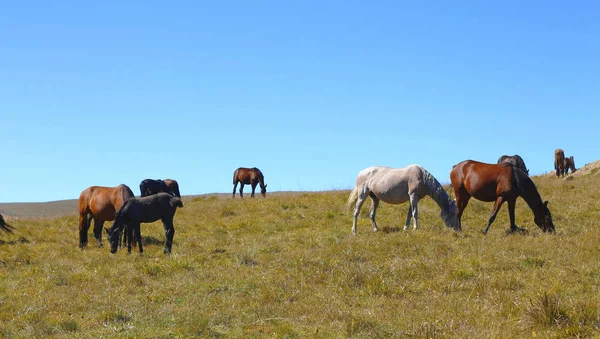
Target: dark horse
(99,203)
(5,226)
(515,160)
(160,206)
(498,183)
(249,176)
(173,186)
(151,186)
(559,162)
(569,163)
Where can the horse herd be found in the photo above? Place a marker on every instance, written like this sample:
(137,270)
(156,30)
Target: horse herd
(502,182)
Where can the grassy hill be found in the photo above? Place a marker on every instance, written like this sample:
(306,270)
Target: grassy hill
(288,266)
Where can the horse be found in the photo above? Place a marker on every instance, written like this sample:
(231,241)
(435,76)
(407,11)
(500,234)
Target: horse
(99,203)
(173,186)
(559,162)
(498,183)
(160,206)
(398,185)
(515,160)
(569,163)
(249,176)
(151,186)
(5,226)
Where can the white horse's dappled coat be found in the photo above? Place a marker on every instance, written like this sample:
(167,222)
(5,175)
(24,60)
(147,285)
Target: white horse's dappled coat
(396,186)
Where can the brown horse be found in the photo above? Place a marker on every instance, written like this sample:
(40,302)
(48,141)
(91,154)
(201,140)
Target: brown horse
(498,183)
(99,203)
(249,176)
(5,226)
(569,163)
(173,186)
(559,162)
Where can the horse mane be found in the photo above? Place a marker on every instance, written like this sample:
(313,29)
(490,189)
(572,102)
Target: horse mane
(436,191)
(526,187)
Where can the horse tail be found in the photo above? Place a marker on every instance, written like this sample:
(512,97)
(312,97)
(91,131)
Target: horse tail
(5,226)
(352,198)
(235,176)
(127,194)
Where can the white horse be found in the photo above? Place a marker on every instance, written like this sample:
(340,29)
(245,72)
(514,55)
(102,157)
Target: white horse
(396,186)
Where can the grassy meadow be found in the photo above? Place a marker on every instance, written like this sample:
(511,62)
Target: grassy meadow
(288,266)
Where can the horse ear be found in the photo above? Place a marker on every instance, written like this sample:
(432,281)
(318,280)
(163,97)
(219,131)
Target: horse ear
(546,203)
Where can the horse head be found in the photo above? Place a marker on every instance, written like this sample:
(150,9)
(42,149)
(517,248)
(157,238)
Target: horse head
(449,216)
(263,190)
(544,219)
(113,238)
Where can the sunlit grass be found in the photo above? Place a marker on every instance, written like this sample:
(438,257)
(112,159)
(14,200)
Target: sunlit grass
(288,266)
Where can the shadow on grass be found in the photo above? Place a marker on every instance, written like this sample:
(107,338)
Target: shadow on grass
(150,240)
(388,229)
(21,240)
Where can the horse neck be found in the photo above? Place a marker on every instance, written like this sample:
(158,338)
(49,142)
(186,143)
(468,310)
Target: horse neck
(261,180)
(436,191)
(529,192)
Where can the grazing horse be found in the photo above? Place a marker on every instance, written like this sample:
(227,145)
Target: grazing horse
(498,183)
(398,185)
(249,176)
(559,162)
(515,160)
(5,226)
(99,203)
(151,186)
(173,186)
(160,206)
(569,163)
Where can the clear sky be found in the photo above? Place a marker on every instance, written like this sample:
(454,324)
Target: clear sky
(310,92)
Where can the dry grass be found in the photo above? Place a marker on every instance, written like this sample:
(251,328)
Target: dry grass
(288,266)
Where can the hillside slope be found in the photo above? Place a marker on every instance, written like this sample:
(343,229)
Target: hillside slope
(288,266)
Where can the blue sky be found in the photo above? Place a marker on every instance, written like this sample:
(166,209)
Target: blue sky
(310,92)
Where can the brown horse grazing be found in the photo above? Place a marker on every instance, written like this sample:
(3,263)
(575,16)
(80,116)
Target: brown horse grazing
(173,186)
(99,203)
(249,176)
(5,226)
(515,160)
(498,183)
(569,163)
(559,162)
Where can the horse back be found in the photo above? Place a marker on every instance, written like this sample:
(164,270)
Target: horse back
(483,181)
(247,175)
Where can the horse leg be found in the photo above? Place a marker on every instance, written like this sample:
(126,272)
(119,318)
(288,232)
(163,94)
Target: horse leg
(241,189)
(253,189)
(495,210)
(414,201)
(359,202)
(84,225)
(462,199)
(408,216)
(374,205)
(98,231)
(129,230)
(511,214)
(234,188)
(138,235)
(169,233)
